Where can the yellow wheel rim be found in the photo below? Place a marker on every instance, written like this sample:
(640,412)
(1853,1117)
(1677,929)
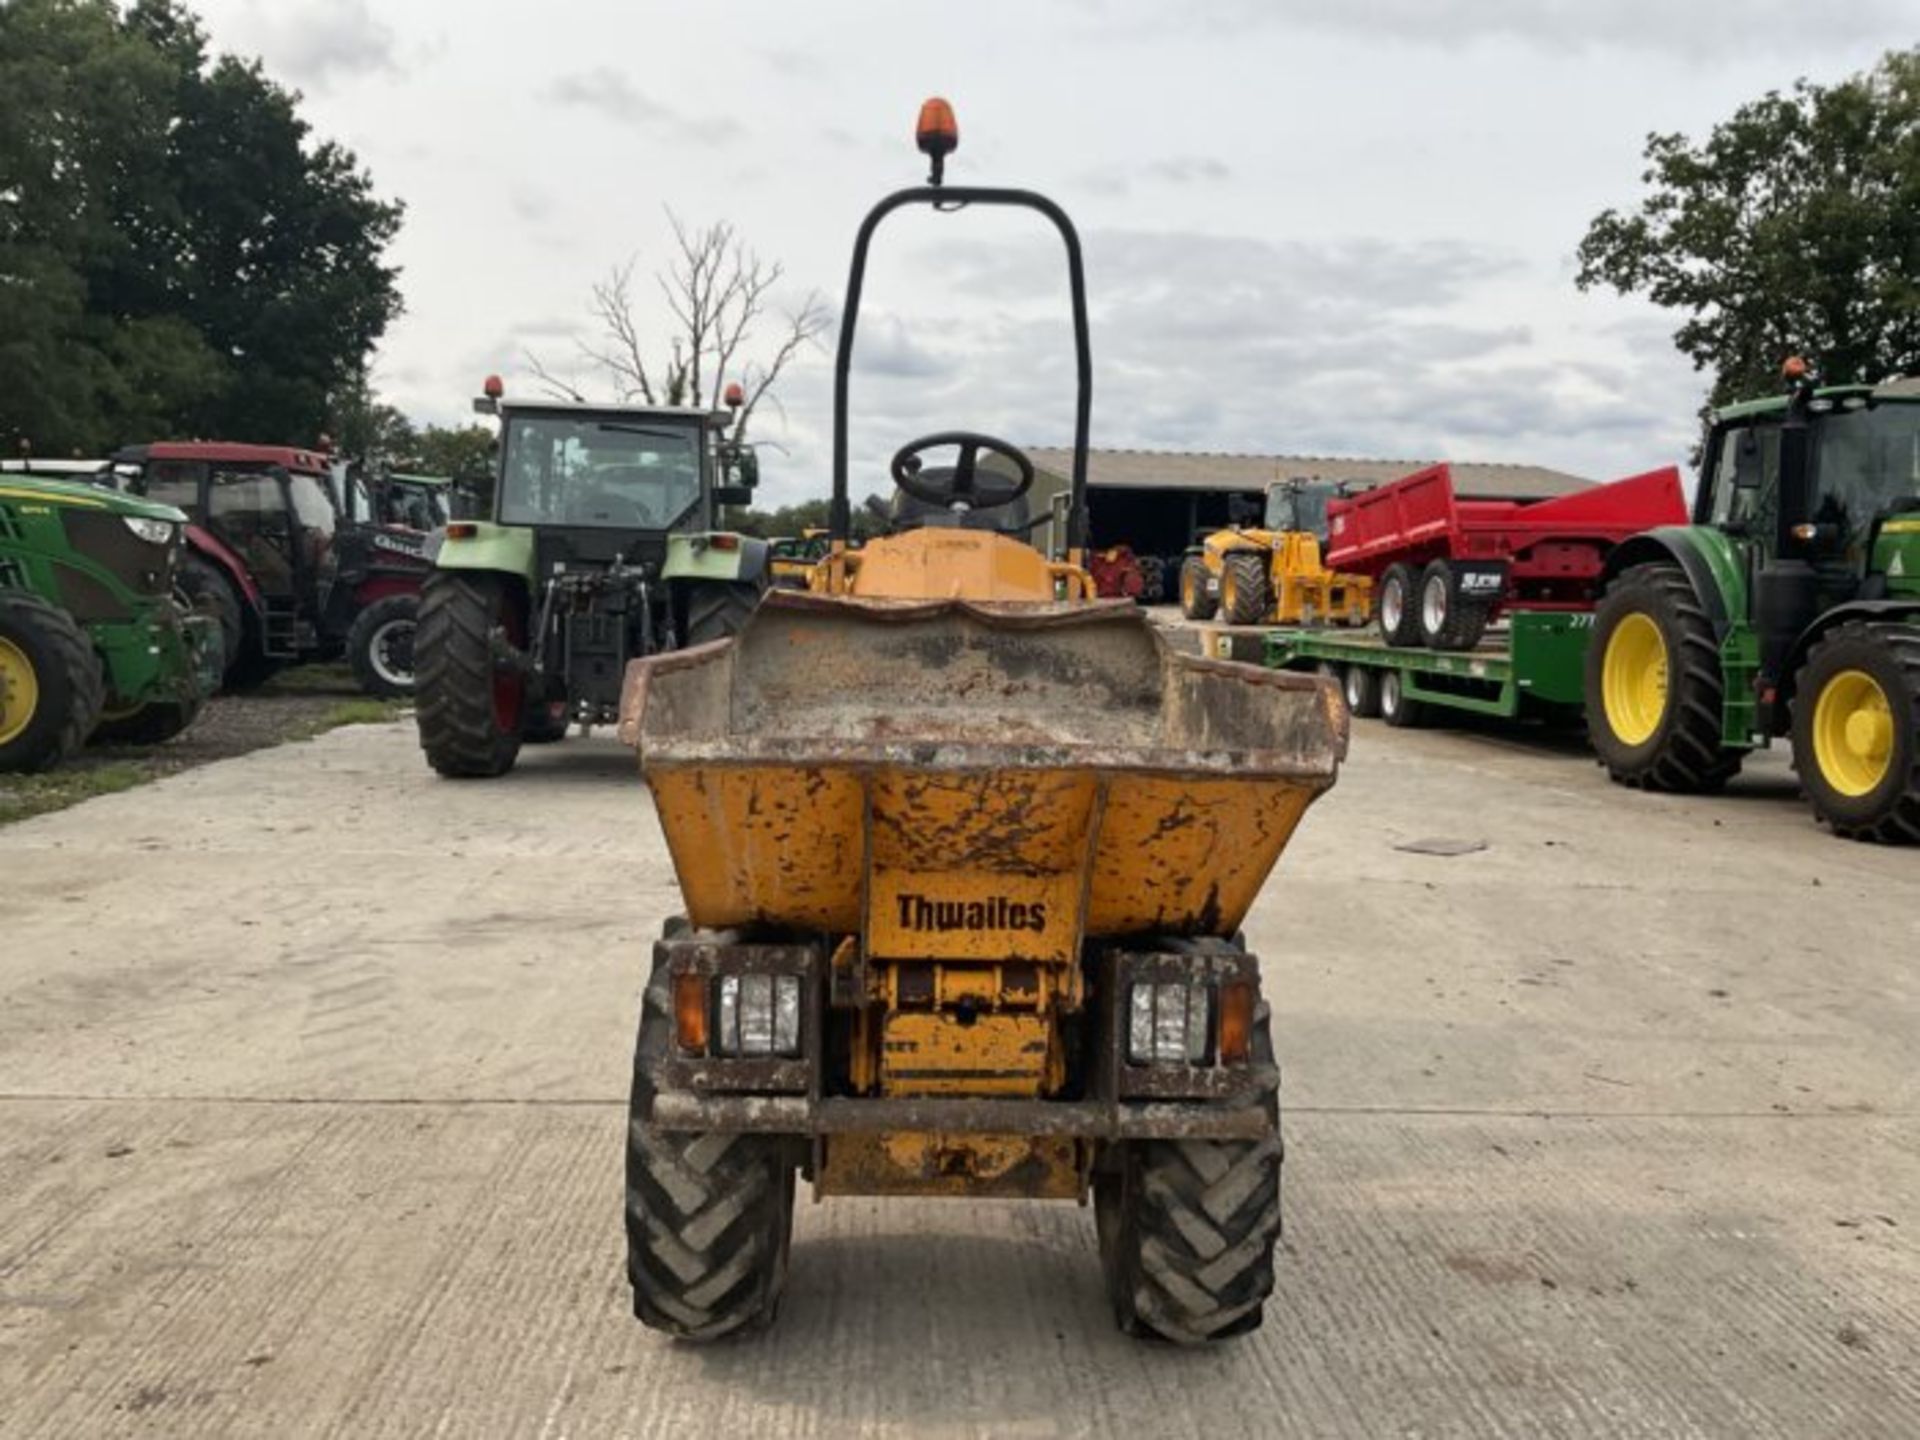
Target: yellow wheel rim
(1633,679)
(1189,589)
(19,691)
(1229,592)
(1853,733)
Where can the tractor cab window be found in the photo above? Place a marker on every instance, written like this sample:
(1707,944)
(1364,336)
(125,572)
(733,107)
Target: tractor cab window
(1865,460)
(172,482)
(1298,508)
(1746,479)
(619,473)
(248,511)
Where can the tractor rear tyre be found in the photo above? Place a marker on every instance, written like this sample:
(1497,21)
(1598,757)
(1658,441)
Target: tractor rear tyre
(208,591)
(1198,598)
(380,646)
(1245,595)
(1856,731)
(467,701)
(1153,580)
(1448,619)
(1398,708)
(717,611)
(1362,688)
(1395,610)
(709,1215)
(51,687)
(1188,1228)
(1653,685)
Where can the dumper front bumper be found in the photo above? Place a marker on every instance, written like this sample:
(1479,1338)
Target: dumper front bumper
(1075,1119)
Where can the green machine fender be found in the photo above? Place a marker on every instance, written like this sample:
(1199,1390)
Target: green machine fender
(1711,560)
(716,555)
(482,545)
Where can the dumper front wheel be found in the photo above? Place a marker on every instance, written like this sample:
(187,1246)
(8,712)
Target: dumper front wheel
(1187,1233)
(709,1216)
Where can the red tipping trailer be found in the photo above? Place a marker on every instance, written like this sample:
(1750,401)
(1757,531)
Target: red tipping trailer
(1445,564)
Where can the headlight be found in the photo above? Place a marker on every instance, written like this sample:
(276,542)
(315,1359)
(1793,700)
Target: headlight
(154,532)
(759,1015)
(1168,1024)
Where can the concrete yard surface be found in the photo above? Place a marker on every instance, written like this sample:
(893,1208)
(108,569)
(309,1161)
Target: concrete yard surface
(312,1083)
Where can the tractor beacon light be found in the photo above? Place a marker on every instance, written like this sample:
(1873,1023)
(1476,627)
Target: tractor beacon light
(1794,369)
(937,134)
(492,388)
(734,396)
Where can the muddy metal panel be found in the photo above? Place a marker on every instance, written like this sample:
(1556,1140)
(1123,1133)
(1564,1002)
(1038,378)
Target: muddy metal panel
(967,781)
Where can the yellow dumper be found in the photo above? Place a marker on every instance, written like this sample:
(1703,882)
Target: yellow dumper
(964,853)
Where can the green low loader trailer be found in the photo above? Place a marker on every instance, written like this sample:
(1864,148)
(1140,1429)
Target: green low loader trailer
(1789,608)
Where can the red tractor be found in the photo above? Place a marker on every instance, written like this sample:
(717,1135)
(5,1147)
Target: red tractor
(270,555)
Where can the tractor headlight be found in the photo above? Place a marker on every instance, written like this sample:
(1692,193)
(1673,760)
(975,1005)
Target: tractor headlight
(1169,1023)
(759,1015)
(154,532)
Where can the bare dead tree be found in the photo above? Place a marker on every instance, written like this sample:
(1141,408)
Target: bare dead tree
(719,294)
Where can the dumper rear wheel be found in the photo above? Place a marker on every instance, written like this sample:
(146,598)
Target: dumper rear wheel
(709,1215)
(1188,1229)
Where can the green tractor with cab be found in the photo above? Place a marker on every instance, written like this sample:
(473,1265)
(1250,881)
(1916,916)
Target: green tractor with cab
(600,548)
(1790,607)
(94,640)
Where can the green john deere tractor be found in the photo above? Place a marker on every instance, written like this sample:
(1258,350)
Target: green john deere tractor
(1789,607)
(600,549)
(93,640)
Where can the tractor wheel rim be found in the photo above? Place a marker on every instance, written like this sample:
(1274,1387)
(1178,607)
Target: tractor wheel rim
(1633,679)
(390,653)
(19,691)
(1187,589)
(1853,733)
(1391,607)
(1433,604)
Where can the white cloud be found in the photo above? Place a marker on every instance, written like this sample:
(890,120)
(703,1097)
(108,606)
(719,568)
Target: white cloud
(313,43)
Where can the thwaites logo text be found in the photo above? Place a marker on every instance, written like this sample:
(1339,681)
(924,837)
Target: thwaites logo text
(923,913)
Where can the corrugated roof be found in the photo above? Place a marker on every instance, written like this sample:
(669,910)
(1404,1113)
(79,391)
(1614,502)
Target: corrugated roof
(1202,470)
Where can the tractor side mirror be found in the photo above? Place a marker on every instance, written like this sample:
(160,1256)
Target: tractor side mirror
(740,468)
(1748,471)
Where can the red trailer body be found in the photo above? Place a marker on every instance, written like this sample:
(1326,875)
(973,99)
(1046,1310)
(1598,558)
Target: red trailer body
(1549,551)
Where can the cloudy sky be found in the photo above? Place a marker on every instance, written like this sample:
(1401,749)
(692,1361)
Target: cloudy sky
(1312,226)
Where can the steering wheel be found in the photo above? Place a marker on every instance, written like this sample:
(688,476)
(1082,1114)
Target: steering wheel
(960,484)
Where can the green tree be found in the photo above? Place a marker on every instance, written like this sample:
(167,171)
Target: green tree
(1793,229)
(457,451)
(178,254)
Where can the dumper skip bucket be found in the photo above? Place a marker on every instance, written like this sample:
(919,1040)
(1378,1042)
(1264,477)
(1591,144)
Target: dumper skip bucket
(962,781)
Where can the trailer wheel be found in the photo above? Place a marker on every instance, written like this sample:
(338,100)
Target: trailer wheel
(1197,598)
(51,686)
(1244,592)
(1399,620)
(1448,620)
(467,704)
(1362,687)
(1856,732)
(1188,1228)
(709,1216)
(1397,708)
(1653,685)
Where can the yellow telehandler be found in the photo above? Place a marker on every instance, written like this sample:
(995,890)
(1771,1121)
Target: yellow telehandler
(965,852)
(1272,574)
